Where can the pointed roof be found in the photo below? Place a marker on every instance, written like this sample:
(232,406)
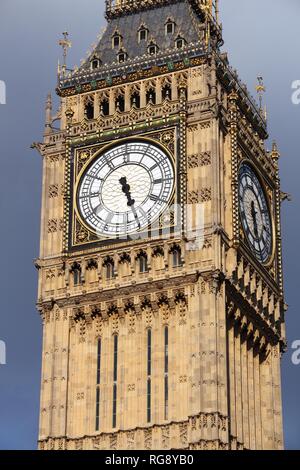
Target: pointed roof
(128,25)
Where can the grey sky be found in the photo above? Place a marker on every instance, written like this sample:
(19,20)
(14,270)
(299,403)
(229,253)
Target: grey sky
(261,38)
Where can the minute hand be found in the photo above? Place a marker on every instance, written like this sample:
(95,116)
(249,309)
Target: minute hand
(254,214)
(130,201)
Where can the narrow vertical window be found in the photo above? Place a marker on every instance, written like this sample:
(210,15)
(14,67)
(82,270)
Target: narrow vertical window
(76,275)
(99,362)
(98,385)
(166,372)
(104,107)
(110,271)
(143,261)
(149,371)
(176,258)
(115,378)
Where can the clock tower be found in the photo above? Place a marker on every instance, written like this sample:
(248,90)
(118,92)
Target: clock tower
(160,268)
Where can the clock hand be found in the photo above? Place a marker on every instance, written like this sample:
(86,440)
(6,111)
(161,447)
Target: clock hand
(126,191)
(131,202)
(254,214)
(136,216)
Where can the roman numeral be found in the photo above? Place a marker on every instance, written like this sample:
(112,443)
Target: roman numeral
(156,198)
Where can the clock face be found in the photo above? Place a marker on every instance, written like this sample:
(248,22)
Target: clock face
(125,189)
(255,214)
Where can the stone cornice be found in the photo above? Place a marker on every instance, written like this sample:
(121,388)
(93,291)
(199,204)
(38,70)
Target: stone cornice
(114,293)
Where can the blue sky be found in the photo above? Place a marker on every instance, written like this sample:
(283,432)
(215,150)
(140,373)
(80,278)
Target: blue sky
(261,38)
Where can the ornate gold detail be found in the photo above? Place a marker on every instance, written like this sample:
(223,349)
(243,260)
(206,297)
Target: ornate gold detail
(165,437)
(130,440)
(198,160)
(113,442)
(53,158)
(53,191)
(148,439)
(183,432)
(52,225)
(83,157)
(200,195)
(55,225)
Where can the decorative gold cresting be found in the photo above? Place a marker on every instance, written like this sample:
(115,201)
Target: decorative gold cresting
(119,7)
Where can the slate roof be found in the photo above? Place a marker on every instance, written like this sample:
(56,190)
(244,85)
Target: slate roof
(186,23)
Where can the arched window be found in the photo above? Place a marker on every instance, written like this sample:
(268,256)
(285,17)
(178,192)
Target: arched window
(95,63)
(143,263)
(91,271)
(152,48)
(135,99)
(89,110)
(76,272)
(151,96)
(143,34)
(122,56)
(109,266)
(167,92)
(182,91)
(116,40)
(180,42)
(170,27)
(176,256)
(120,103)
(104,107)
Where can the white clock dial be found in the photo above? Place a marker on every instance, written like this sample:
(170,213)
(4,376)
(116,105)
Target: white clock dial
(125,189)
(255,214)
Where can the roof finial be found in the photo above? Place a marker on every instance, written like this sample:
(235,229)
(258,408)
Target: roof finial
(65,44)
(261,89)
(217,10)
(48,109)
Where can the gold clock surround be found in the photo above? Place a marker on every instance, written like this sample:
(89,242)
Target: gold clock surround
(266,189)
(166,140)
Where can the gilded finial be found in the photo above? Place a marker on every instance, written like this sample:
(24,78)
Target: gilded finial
(65,44)
(261,89)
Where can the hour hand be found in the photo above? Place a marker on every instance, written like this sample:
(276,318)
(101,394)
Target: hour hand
(126,191)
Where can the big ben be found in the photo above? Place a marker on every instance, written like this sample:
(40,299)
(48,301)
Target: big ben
(160,266)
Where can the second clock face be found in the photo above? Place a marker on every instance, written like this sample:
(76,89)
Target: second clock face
(126,189)
(255,214)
